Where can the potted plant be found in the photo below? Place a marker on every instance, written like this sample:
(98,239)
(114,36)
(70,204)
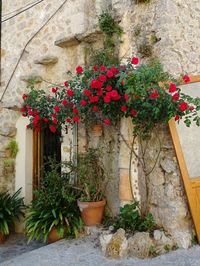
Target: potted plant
(11,209)
(92,181)
(53,214)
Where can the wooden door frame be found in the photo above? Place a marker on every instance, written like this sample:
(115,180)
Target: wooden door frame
(189,184)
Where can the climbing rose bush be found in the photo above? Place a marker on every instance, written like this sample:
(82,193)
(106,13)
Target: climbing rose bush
(105,94)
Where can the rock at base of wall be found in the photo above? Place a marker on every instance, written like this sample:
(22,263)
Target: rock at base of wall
(139,245)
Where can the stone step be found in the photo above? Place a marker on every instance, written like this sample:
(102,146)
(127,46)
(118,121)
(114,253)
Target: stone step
(76,39)
(47,60)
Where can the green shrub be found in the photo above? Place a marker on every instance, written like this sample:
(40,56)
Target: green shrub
(130,219)
(54,206)
(11,208)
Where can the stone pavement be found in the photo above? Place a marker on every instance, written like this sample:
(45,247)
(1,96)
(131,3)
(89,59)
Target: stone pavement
(15,245)
(86,252)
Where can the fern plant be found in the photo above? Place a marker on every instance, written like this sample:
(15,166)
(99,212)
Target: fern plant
(11,209)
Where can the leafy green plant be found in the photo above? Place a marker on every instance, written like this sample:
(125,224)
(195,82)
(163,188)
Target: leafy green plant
(9,163)
(130,219)
(54,206)
(13,147)
(11,209)
(108,25)
(92,179)
(112,31)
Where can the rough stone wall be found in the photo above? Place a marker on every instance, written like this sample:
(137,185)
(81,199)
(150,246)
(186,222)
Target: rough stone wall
(169,27)
(171,30)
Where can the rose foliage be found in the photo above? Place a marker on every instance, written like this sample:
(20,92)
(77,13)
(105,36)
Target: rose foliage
(105,94)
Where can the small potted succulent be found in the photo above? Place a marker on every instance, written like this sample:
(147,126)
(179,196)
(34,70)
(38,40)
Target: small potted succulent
(11,209)
(92,181)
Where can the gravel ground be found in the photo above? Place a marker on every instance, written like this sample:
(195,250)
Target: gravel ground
(86,252)
(15,245)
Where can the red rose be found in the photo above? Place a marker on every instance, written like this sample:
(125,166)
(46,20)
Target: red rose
(66,84)
(75,111)
(54,90)
(99,92)
(56,108)
(64,102)
(68,120)
(110,74)
(175,97)
(54,115)
(115,70)
(24,96)
(114,93)
(186,78)
(52,129)
(87,93)
(183,106)
(191,108)
(106,99)
(94,99)
(102,78)
(106,122)
(133,112)
(79,70)
(45,119)
(24,115)
(123,108)
(134,60)
(95,68)
(102,68)
(83,102)
(37,118)
(23,109)
(154,95)
(177,117)
(76,118)
(93,84)
(109,88)
(55,121)
(70,93)
(94,108)
(117,98)
(126,97)
(172,87)
(30,112)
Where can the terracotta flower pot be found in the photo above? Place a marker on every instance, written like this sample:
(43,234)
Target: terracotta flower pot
(97,130)
(2,238)
(53,236)
(92,212)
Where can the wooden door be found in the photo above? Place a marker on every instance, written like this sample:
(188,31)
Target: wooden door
(187,146)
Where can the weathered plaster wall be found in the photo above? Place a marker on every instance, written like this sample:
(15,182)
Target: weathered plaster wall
(171,27)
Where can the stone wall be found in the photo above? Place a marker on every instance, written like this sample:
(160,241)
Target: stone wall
(168,29)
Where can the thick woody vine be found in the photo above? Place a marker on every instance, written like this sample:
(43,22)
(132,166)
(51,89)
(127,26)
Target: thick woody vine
(106,92)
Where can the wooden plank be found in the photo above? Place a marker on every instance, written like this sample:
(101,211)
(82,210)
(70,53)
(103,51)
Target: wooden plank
(194,203)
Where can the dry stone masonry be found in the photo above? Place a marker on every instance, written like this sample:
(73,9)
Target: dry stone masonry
(167,29)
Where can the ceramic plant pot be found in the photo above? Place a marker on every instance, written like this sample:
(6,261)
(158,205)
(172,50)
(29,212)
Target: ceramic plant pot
(92,212)
(53,236)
